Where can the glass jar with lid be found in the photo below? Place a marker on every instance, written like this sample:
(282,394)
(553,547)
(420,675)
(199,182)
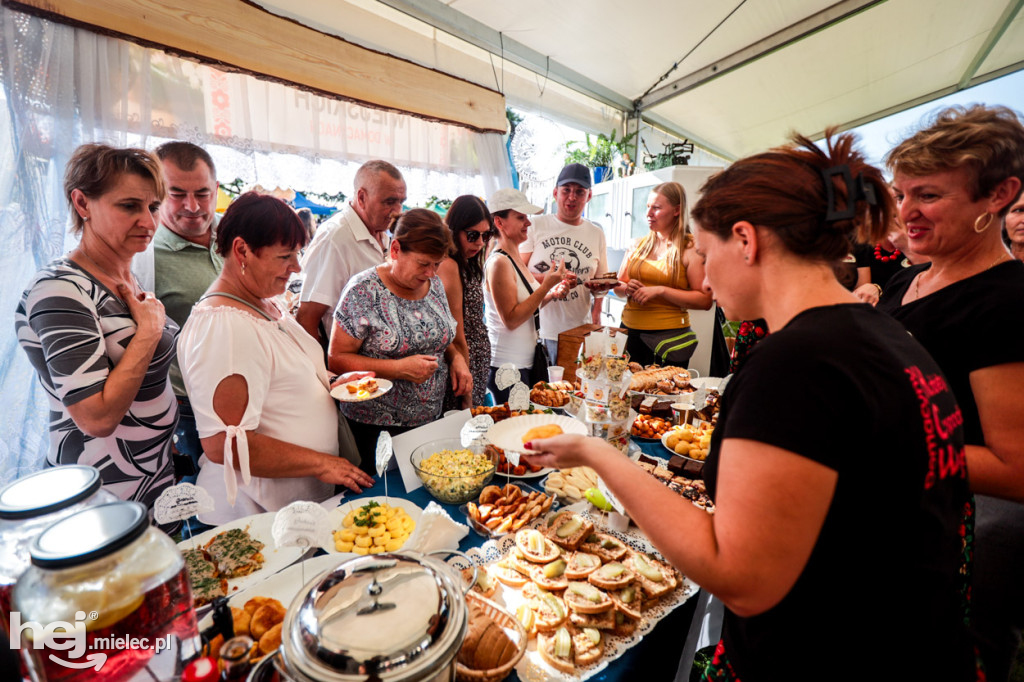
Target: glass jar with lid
(30,504)
(106,598)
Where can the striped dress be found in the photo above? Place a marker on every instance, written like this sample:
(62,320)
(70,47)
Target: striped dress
(75,331)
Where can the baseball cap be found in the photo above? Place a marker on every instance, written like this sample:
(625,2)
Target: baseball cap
(574,172)
(505,199)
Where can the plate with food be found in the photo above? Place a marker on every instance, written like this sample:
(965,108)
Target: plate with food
(551,394)
(688,441)
(277,592)
(585,594)
(605,279)
(234,556)
(361,389)
(371,525)
(506,509)
(513,433)
(647,428)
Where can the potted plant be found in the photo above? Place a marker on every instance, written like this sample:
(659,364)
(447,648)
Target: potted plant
(598,153)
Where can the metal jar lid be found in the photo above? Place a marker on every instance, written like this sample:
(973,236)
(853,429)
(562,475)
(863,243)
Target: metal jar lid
(395,616)
(48,491)
(89,535)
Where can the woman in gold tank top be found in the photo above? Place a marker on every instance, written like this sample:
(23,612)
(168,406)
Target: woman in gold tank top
(663,277)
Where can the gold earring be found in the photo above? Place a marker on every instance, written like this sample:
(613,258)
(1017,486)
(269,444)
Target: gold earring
(988,222)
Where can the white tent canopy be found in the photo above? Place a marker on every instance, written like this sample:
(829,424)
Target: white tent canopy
(738,76)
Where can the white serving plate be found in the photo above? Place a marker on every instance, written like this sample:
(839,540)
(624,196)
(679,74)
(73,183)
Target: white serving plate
(282,586)
(259,527)
(508,434)
(664,437)
(337,515)
(341,393)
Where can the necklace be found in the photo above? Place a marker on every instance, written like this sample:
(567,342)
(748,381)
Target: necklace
(917,280)
(885,259)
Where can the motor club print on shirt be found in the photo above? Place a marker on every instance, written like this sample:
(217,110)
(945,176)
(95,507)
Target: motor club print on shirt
(579,259)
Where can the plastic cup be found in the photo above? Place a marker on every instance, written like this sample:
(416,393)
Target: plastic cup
(555,373)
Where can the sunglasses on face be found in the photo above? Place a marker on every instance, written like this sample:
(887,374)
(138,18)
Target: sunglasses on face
(473,235)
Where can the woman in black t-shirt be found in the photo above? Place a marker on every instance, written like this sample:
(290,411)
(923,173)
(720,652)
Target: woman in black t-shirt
(837,540)
(955,180)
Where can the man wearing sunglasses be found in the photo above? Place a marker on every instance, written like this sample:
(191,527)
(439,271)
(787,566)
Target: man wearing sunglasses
(348,243)
(567,235)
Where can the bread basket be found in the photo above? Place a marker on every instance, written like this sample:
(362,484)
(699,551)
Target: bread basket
(504,620)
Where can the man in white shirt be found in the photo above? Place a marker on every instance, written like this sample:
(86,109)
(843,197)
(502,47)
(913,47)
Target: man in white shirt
(348,243)
(567,236)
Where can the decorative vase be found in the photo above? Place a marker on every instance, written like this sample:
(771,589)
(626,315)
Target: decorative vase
(602,173)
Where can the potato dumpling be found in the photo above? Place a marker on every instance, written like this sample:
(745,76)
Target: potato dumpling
(683,448)
(374,528)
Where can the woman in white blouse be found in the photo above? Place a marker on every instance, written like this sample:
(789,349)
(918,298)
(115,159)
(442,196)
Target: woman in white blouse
(256,380)
(512,296)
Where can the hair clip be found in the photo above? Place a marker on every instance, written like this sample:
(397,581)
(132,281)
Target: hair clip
(856,190)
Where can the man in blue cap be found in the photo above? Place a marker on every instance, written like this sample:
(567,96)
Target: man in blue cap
(567,235)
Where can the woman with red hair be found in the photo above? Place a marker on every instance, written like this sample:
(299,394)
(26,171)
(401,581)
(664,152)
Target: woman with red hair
(845,512)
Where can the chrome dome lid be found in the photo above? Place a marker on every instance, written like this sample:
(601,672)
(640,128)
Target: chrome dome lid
(386,616)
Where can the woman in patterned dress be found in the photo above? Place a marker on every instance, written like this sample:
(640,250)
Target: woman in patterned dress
(462,275)
(393,319)
(101,345)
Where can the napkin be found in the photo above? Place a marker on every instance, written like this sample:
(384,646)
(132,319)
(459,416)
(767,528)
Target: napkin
(436,530)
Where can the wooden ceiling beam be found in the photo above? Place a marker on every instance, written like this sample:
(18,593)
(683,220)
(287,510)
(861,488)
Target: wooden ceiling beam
(239,36)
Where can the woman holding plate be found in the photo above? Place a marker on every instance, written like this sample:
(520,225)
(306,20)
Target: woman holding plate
(661,277)
(394,319)
(256,380)
(796,504)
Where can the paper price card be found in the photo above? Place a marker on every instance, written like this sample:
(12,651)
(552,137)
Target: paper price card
(608,495)
(506,375)
(384,452)
(180,502)
(519,396)
(301,524)
(617,520)
(475,430)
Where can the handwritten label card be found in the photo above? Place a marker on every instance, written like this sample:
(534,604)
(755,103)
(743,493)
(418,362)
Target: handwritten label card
(506,375)
(180,502)
(519,396)
(384,452)
(474,431)
(301,524)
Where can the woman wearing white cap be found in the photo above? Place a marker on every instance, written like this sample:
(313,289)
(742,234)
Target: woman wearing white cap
(512,296)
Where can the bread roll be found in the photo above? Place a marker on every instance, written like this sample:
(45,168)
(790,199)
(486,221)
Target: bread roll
(271,639)
(266,617)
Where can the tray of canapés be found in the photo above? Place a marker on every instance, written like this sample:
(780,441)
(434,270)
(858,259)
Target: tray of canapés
(583,595)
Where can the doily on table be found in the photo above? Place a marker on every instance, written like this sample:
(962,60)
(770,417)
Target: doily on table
(531,668)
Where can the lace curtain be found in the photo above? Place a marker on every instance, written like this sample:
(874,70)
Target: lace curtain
(63,86)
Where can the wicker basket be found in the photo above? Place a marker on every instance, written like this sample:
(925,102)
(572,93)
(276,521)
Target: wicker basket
(504,620)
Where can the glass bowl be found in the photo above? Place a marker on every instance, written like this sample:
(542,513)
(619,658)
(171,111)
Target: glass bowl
(456,476)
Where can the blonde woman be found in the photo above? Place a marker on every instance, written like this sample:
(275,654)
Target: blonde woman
(661,277)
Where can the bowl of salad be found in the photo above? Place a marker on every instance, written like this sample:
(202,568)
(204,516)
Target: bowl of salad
(451,473)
